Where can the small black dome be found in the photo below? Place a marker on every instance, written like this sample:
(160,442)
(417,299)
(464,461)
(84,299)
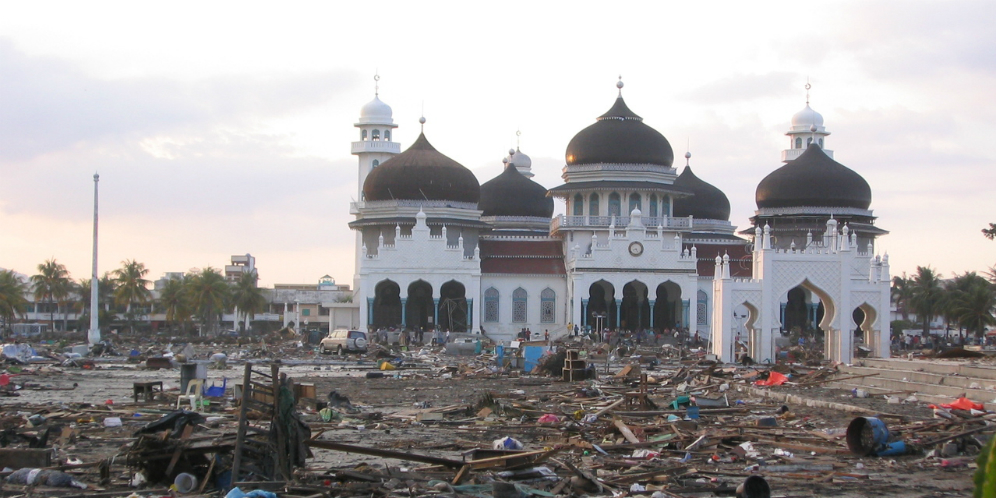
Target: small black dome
(708,203)
(813,179)
(511,194)
(620,136)
(421,173)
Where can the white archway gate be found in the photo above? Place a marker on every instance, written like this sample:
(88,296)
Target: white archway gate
(840,275)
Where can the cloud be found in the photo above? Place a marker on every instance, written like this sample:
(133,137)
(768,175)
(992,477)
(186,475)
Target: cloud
(50,104)
(744,88)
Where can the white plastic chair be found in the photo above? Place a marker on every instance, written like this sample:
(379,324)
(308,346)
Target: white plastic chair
(193,395)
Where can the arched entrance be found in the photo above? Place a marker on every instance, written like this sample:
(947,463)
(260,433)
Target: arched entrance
(864,317)
(387,304)
(747,337)
(802,312)
(453,307)
(601,305)
(419,310)
(635,307)
(667,307)
(808,312)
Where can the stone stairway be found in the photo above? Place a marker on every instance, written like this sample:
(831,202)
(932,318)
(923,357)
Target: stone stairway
(932,381)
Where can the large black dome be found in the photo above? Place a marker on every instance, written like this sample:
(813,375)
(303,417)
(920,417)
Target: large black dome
(813,179)
(708,203)
(421,173)
(511,194)
(619,136)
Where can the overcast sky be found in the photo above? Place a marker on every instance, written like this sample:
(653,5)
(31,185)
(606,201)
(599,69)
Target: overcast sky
(225,128)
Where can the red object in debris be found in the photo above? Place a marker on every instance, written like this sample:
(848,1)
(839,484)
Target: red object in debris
(964,403)
(109,402)
(4,380)
(774,379)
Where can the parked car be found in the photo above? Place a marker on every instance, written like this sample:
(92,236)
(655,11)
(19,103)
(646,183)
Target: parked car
(342,340)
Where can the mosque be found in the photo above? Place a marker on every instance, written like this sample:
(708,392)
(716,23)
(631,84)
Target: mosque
(639,247)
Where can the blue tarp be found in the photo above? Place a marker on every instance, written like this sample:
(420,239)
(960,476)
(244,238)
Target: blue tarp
(532,355)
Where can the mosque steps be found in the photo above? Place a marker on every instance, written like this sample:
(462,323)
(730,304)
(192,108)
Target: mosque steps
(932,382)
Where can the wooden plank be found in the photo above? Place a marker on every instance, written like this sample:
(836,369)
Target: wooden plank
(607,408)
(187,431)
(19,459)
(243,423)
(626,432)
(461,474)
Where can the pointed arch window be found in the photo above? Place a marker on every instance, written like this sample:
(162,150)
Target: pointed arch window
(548,305)
(375,164)
(363,134)
(614,204)
(387,135)
(375,135)
(491,305)
(821,143)
(635,202)
(593,205)
(578,205)
(809,141)
(653,205)
(798,142)
(519,302)
(703,308)
(665,205)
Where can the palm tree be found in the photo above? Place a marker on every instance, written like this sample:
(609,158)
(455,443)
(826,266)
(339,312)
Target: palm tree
(175,301)
(902,291)
(926,295)
(12,300)
(247,297)
(132,288)
(972,302)
(209,295)
(51,284)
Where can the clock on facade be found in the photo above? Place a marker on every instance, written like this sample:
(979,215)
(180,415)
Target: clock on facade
(636,248)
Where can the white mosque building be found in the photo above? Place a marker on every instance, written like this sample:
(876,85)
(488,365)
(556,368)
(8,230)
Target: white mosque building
(640,246)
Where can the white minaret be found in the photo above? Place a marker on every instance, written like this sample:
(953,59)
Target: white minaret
(802,132)
(376,145)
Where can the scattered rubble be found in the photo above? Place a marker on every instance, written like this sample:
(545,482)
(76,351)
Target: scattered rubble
(275,418)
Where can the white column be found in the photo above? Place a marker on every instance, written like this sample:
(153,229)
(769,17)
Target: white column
(93,335)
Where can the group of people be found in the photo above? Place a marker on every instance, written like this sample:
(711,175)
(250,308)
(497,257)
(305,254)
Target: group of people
(407,337)
(528,335)
(678,335)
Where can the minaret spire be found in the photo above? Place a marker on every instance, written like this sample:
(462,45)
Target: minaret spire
(619,85)
(376,83)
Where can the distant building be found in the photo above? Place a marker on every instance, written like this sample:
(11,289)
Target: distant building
(241,264)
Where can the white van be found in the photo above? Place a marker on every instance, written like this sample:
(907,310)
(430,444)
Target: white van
(342,340)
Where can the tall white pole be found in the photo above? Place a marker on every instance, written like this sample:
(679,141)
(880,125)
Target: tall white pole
(93,336)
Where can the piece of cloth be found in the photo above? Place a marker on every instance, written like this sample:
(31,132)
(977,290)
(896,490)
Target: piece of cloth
(774,379)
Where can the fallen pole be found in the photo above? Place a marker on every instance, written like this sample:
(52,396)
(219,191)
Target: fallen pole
(411,457)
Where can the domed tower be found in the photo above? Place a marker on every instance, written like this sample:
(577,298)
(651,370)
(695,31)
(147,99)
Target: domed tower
(616,165)
(712,233)
(628,265)
(376,143)
(419,264)
(798,200)
(511,201)
(807,127)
